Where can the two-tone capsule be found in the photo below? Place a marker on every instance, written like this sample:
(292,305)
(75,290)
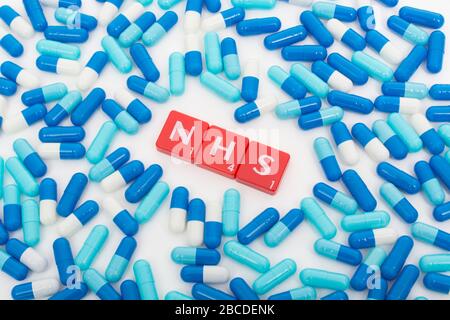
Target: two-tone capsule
(121,217)
(371,144)
(121,259)
(258,226)
(336,199)
(75,221)
(398,202)
(283,228)
(327,158)
(91,72)
(47,201)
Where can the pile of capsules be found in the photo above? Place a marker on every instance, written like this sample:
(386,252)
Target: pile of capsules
(331,76)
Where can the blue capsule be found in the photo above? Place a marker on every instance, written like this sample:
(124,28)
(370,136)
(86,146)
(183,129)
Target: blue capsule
(304,53)
(404,283)
(204,274)
(19,75)
(255,109)
(92,70)
(412,62)
(422,17)
(23,178)
(437,282)
(64,261)
(333,78)
(35,290)
(136,30)
(295,108)
(12,267)
(223,19)
(72,194)
(195,256)
(129,290)
(430,184)
(58,65)
(36,15)
(144,62)
(367,269)
(242,290)
(286,82)
(80,217)
(328,10)
(385,48)
(120,260)
(436,48)
(304,293)
(366,16)
(213,5)
(379,290)
(71,17)
(65,34)
(178,209)
(396,258)
(320,118)
(389,3)
(61,134)
(258,226)
(316,28)
(63,108)
(97,284)
(399,178)
(7,87)
(432,235)
(438,114)
(350,102)
(201,291)
(152,202)
(77,293)
(374,148)
(121,117)
(87,107)
(335,198)
(398,202)
(441,169)
(327,159)
(313,83)
(62,3)
(48,196)
(408,31)
(110,164)
(143,184)
(283,228)
(339,252)
(45,94)
(347,68)
(148,89)
(346,35)
(372,238)
(440,92)
(405,132)
(258,26)
(358,189)
(116,55)
(407,90)
(121,217)
(160,28)
(10,44)
(12,208)
(133,106)
(30,158)
(285,37)
(230,58)
(16,22)
(442,212)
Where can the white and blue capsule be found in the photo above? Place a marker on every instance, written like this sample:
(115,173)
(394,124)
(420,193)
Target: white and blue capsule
(195,218)
(125,18)
(346,35)
(255,109)
(385,48)
(16,22)
(429,136)
(75,221)
(250,81)
(10,44)
(35,290)
(192,15)
(58,65)
(111,163)
(205,274)
(331,76)
(371,144)
(213,225)
(390,139)
(48,196)
(62,151)
(398,104)
(123,176)
(372,238)
(89,75)
(179,204)
(223,19)
(25,254)
(344,142)
(121,216)
(19,75)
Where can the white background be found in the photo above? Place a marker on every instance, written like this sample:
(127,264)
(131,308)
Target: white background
(155,240)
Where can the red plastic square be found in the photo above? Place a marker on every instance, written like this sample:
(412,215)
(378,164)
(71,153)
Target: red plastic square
(181,136)
(263,167)
(222,151)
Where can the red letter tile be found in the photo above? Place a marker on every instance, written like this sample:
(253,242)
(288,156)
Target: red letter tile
(263,167)
(222,151)
(181,136)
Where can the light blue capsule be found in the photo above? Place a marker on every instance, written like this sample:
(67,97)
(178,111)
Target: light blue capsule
(366,221)
(100,145)
(117,55)
(274,276)
(406,133)
(25,181)
(374,67)
(254,4)
(313,83)
(177,73)
(317,278)
(2,175)
(152,202)
(31,222)
(91,247)
(444,133)
(58,49)
(213,55)
(121,259)
(230,212)
(220,86)
(175,295)
(246,256)
(318,218)
(144,280)
(435,263)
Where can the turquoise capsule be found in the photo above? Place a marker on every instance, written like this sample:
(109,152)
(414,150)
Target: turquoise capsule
(319,219)
(213,56)
(175,295)
(116,55)
(23,178)
(254,4)
(98,284)
(152,201)
(421,298)
(121,259)
(230,212)
(365,221)
(70,100)
(411,90)
(431,235)
(58,49)
(374,67)
(313,83)
(435,263)
(230,58)
(246,256)
(220,86)
(144,280)
(92,247)
(275,276)
(406,133)
(444,133)
(2,175)
(318,278)
(100,145)
(31,222)
(177,74)
(415,35)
